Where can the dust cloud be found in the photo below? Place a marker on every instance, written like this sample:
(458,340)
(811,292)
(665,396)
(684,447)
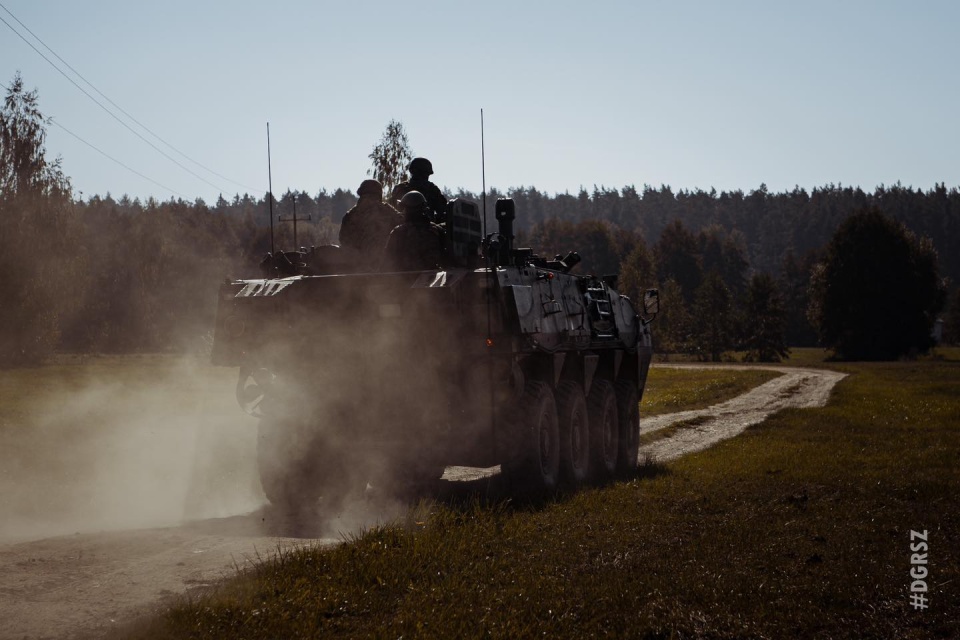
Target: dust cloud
(124,443)
(131,442)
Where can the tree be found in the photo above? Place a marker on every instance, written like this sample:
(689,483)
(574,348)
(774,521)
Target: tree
(712,318)
(678,257)
(390,157)
(794,282)
(765,321)
(951,323)
(674,321)
(23,164)
(40,281)
(878,290)
(637,273)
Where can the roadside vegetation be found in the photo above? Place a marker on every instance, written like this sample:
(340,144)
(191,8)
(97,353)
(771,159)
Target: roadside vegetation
(800,527)
(678,389)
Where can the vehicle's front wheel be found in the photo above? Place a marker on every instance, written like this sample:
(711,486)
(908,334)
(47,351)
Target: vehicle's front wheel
(534,468)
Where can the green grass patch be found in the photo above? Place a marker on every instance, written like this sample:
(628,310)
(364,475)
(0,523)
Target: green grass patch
(678,389)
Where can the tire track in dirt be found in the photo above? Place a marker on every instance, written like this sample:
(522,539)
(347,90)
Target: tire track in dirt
(795,388)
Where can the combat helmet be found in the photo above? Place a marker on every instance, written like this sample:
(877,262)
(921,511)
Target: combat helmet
(414,206)
(370,188)
(420,167)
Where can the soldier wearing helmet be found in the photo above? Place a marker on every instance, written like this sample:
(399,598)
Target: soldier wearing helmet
(420,170)
(367,225)
(416,244)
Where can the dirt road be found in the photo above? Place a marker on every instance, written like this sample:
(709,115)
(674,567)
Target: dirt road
(797,388)
(83,584)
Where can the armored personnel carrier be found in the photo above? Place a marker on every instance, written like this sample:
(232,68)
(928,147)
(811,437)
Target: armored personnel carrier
(495,357)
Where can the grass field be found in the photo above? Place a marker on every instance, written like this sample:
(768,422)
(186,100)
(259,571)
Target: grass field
(798,528)
(670,390)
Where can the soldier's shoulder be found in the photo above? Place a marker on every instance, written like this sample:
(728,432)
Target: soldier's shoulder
(386,207)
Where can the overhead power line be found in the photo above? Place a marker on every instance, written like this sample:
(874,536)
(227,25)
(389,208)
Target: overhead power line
(109,157)
(115,105)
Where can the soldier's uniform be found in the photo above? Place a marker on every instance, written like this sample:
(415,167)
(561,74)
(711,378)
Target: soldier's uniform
(416,244)
(366,227)
(420,171)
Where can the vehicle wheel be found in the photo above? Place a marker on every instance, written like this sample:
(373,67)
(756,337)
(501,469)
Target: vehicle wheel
(604,430)
(290,473)
(574,434)
(416,477)
(628,411)
(535,467)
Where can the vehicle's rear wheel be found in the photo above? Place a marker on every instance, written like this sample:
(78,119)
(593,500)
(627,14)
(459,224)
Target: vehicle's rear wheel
(291,470)
(534,468)
(574,434)
(628,412)
(604,430)
(413,476)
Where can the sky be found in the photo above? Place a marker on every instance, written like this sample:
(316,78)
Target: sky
(574,95)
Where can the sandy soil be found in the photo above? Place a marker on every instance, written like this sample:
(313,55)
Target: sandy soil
(81,585)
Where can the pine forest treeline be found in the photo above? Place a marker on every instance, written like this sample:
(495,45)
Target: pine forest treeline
(135,276)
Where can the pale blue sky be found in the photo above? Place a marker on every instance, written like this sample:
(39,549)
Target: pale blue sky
(691,94)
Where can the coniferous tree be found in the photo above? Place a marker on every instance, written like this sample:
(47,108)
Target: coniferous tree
(951,322)
(678,257)
(876,294)
(764,321)
(712,318)
(674,323)
(637,273)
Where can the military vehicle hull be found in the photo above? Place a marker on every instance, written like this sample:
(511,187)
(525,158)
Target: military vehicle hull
(387,378)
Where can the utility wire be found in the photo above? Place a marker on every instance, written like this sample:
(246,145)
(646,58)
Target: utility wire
(109,157)
(110,113)
(121,109)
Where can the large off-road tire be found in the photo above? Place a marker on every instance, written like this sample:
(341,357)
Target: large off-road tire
(412,476)
(604,430)
(628,412)
(574,434)
(291,472)
(534,467)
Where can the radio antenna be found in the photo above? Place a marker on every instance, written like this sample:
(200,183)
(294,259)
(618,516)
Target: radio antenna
(491,279)
(270,186)
(483,175)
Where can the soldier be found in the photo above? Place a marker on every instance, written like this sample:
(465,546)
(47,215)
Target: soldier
(420,171)
(416,244)
(366,227)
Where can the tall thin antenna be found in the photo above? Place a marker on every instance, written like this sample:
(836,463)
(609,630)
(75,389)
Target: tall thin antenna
(491,279)
(270,186)
(483,175)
